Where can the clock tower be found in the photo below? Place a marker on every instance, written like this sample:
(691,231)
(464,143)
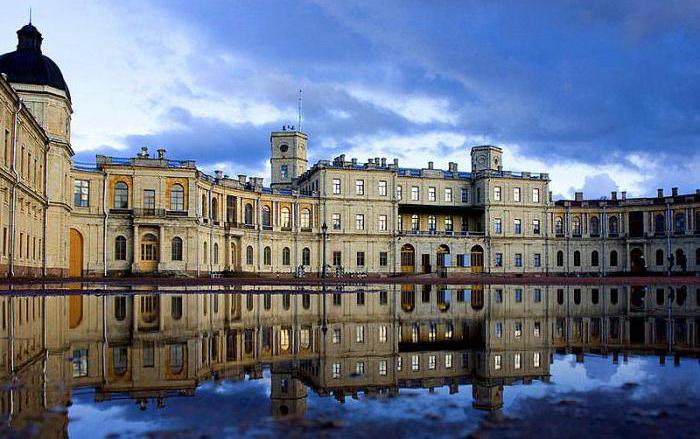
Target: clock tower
(287,157)
(486,158)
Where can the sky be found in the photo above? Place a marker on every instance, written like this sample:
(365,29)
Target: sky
(601,95)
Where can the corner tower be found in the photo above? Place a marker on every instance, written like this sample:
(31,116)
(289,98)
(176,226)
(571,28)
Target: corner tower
(287,157)
(486,158)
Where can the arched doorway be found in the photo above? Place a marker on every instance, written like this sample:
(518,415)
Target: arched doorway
(408,259)
(477,259)
(75,268)
(442,255)
(149,253)
(637,262)
(234,261)
(408,297)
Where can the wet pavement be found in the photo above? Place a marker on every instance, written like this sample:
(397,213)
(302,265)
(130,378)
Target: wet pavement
(367,361)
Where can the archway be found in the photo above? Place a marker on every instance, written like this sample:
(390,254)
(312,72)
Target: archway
(637,262)
(75,268)
(149,253)
(234,262)
(477,259)
(442,255)
(408,259)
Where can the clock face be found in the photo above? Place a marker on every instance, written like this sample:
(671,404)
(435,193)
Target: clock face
(284,148)
(481,159)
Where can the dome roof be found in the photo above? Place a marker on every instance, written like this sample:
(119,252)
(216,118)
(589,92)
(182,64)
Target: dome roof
(27,65)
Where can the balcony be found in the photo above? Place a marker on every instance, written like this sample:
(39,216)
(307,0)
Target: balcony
(149,213)
(176,213)
(119,211)
(441,233)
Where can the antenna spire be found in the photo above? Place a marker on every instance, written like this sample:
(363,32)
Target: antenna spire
(30,15)
(300,99)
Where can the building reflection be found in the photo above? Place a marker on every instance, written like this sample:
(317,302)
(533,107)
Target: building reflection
(150,346)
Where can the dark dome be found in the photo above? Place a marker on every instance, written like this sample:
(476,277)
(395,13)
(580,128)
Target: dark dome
(27,65)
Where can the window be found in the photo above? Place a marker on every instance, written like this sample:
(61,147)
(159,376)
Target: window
(337,336)
(249,255)
(518,259)
(449,225)
(558,226)
(80,363)
(536,359)
(516,194)
(248,214)
(335,220)
(498,225)
(382,223)
(266,217)
(498,261)
(498,330)
(679,223)
(614,226)
(536,227)
(382,334)
(537,295)
(537,260)
(177,198)
(659,257)
(465,195)
(383,259)
(359,222)
(594,258)
(284,172)
(336,370)
(448,361)
(497,193)
(267,256)
(432,361)
(360,368)
(337,259)
(216,252)
(359,187)
(595,226)
(415,194)
(518,329)
(176,307)
(176,249)
(381,188)
(518,295)
(560,258)
(613,258)
(149,199)
(121,196)
(535,195)
(305,219)
(120,248)
(536,329)
(576,226)
(448,195)
(382,367)
(517,361)
(360,259)
(286,256)
(399,192)
(517,226)
(415,362)
(415,224)
(81,192)
(286,218)
(431,194)
(336,186)
(359,334)
(497,362)
(499,296)
(120,308)
(360,298)
(306,256)
(432,223)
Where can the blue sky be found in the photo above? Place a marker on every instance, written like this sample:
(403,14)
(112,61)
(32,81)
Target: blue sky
(603,95)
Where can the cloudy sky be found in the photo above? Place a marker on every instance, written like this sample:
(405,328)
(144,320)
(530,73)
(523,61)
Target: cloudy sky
(602,95)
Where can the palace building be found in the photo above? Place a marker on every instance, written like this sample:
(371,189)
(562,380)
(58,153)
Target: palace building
(153,214)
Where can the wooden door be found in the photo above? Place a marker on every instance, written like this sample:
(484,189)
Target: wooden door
(76,254)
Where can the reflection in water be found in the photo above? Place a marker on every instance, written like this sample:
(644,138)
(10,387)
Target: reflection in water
(149,347)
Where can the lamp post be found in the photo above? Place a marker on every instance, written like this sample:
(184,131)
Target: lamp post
(324,231)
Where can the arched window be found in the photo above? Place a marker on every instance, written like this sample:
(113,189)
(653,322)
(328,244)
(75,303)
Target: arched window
(266,217)
(267,256)
(286,218)
(306,256)
(214,209)
(206,253)
(120,308)
(177,197)
(305,219)
(558,226)
(594,258)
(613,258)
(176,307)
(121,196)
(432,223)
(306,300)
(595,226)
(286,256)
(216,252)
(248,214)
(576,226)
(249,255)
(176,249)
(205,206)
(659,224)
(659,257)
(679,223)
(577,258)
(614,226)
(120,248)
(560,258)
(149,247)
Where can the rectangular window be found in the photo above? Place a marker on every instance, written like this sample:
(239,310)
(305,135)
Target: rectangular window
(335,220)
(518,295)
(399,192)
(448,195)
(360,368)
(148,354)
(382,367)
(497,226)
(383,259)
(537,295)
(431,194)
(499,296)
(337,335)
(498,261)
(284,172)
(337,259)
(336,370)
(336,186)
(497,194)
(518,259)
(465,195)
(80,363)
(359,187)
(517,361)
(537,260)
(536,227)
(382,223)
(517,226)
(518,329)
(382,334)
(415,193)
(415,362)
(4,241)
(498,330)
(360,298)
(381,189)
(432,362)
(359,334)
(81,193)
(360,259)
(516,194)
(449,226)
(359,222)
(536,329)
(536,359)
(497,362)
(448,361)
(149,199)
(535,195)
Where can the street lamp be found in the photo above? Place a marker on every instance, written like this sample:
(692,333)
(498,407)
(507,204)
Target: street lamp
(324,231)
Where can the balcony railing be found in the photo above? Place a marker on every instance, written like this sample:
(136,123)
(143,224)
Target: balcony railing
(176,213)
(149,213)
(119,211)
(463,233)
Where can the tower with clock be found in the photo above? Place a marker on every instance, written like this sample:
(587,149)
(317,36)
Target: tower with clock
(287,157)
(486,158)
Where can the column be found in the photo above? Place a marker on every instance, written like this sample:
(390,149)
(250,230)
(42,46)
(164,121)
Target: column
(136,250)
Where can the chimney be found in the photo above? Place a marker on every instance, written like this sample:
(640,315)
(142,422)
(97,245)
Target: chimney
(383,162)
(396,162)
(376,161)
(370,161)
(144,152)
(342,158)
(354,161)
(697,191)
(578,196)
(452,166)
(430,165)
(613,195)
(241,178)
(219,174)
(161,153)
(660,193)
(624,195)
(674,191)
